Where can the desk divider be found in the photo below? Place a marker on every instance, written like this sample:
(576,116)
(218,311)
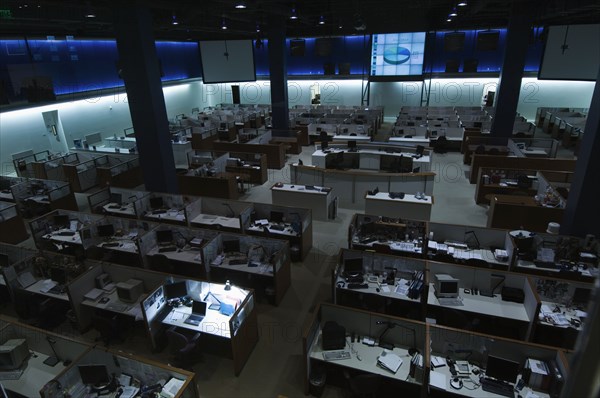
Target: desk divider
(244,332)
(15,253)
(77,289)
(532,305)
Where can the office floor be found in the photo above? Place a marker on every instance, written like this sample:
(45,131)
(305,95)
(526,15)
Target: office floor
(275,366)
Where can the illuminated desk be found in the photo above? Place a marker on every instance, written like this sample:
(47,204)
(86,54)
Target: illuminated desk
(123,210)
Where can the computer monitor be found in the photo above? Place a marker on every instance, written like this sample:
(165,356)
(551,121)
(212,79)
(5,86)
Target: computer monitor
(502,369)
(4,261)
(353,266)
(581,295)
(58,275)
(94,375)
(106,231)
(405,164)
(445,285)
(199,307)
(61,221)
(4,184)
(352,145)
(231,245)
(157,203)
(130,290)
(175,290)
(116,198)
(13,353)
(164,236)
(276,216)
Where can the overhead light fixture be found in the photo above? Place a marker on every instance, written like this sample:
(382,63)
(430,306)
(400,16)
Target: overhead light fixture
(453,13)
(257,28)
(294,15)
(89,11)
(462,3)
(174,20)
(240,5)
(449,20)
(223,24)
(321,20)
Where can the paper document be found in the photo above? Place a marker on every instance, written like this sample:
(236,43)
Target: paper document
(438,380)
(390,361)
(47,285)
(402,287)
(129,392)
(436,361)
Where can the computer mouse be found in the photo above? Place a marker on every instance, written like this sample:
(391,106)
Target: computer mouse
(293,186)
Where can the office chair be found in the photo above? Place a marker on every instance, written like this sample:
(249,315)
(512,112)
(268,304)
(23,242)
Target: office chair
(523,182)
(480,150)
(363,385)
(323,136)
(382,248)
(183,347)
(494,151)
(441,145)
(108,327)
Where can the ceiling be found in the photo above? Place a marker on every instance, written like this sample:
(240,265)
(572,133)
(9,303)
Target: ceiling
(203,20)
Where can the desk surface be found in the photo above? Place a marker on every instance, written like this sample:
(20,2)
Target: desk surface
(491,306)
(43,285)
(132,309)
(171,215)
(43,199)
(125,245)
(408,198)
(6,195)
(401,246)
(188,255)
(422,159)
(302,189)
(385,290)
(286,232)
(212,219)
(548,317)
(34,377)
(362,137)
(529,265)
(127,209)
(466,254)
(368,356)
(261,269)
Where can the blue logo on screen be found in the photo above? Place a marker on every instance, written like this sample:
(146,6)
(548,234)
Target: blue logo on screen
(396,55)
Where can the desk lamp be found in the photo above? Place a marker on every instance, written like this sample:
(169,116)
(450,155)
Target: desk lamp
(390,325)
(52,361)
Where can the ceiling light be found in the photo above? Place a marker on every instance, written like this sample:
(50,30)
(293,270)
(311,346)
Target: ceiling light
(321,20)
(462,3)
(294,15)
(89,11)
(223,24)
(240,5)
(257,28)
(449,20)
(453,13)
(174,20)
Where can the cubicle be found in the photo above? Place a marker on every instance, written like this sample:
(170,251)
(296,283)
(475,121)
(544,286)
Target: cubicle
(6,182)
(64,231)
(226,215)
(52,168)
(275,152)
(502,181)
(128,373)
(379,283)
(283,222)
(50,355)
(387,235)
(9,255)
(118,202)
(123,171)
(207,176)
(164,207)
(37,197)
(176,250)
(351,185)
(259,263)
(12,226)
(83,174)
(23,162)
(478,161)
(402,337)
(228,329)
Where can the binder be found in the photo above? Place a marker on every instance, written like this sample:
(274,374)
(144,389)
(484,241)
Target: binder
(389,361)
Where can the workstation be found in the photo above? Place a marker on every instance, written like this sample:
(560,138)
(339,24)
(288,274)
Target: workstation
(119,171)
(363,351)
(33,357)
(320,200)
(176,250)
(111,373)
(51,168)
(249,167)
(219,214)
(165,208)
(12,226)
(37,197)
(262,144)
(9,255)
(379,283)
(283,222)
(207,175)
(469,364)
(6,182)
(223,320)
(118,202)
(23,161)
(263,264)
(387,235)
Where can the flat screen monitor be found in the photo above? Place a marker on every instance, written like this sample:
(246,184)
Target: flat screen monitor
(175,290)
(225,61)
(454,41)
(581,295)
(13,353)
(231,245)
(276,216)
(199,307)
(116,198)
(397,54)
(61,221)
(353,266)
(106,230)
(487,40)
(164,236)
(95,375)
(157,203)
(502,369)
(58,275)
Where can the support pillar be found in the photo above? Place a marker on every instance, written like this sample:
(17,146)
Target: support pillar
(278,74)
(140,70)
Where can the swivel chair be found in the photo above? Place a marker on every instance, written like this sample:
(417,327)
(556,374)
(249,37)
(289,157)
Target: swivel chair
(183,348)
(363,385)
(108,327)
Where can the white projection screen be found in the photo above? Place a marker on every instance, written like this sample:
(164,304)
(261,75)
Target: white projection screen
(572,52)
(227,61)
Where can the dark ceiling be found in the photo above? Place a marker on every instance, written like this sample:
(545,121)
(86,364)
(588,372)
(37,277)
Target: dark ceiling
(203,19)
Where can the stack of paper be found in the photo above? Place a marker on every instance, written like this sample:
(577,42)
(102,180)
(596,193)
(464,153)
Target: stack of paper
(93,294)
(389,361)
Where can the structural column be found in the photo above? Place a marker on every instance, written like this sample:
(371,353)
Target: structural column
(509,87)
(278,74)
(582,215)
(139,68)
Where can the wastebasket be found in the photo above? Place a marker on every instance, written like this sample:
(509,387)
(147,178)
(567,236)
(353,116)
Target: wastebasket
(270,294)
(317,380)
(295,253)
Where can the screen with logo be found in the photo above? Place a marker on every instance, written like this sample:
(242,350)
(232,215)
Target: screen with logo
(397,54)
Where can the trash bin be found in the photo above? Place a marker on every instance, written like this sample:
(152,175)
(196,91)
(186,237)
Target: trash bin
(317,380)
(270,293)
(295,253)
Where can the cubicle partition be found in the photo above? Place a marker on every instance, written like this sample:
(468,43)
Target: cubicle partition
(406,337)
(51,167)
(260,263)
(83,174)
(283,222)
(123,171)
(9,255)
(350,185)
(207,176)
(6,182)
(488,301)
(275,152)
(164,207)
(227,215)
(117,202)
(23,162)
(12,227)
(229,327)
(176,250)
(556,164)
(37,197)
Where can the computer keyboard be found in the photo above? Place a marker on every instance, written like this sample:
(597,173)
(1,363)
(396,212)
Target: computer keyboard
(117,307)
(497,387)
(406,246)
(456,243)
(358,286)
(336,355)
(66,233)
(237,261)
(167,249)
(453,302)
